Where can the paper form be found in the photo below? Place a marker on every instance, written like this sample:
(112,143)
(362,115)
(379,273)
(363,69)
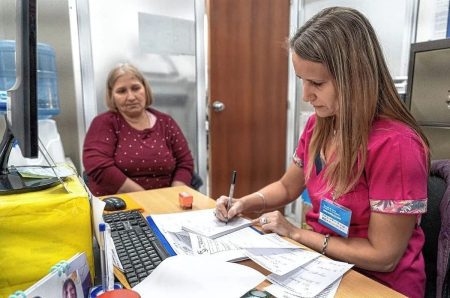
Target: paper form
(170,226)
(204,246)
(205,223)
(62,170)
(250,238)
(313,278)
(281,260)
(281,292)
(180,242)
(188,276)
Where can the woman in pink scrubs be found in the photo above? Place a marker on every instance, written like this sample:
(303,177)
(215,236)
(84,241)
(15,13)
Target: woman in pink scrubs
(362,157)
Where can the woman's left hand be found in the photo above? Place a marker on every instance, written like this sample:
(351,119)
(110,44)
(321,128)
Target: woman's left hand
(275,222)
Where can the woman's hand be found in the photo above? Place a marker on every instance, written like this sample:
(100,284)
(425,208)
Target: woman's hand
(223,212)
(275,222)
(177,183)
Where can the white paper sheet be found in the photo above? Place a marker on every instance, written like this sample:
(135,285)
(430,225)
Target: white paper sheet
(249,238)
(281,260)
(203,246)
(313,278)
(281,292)
(205,223)
(170,226)
(62,171)
(189,276)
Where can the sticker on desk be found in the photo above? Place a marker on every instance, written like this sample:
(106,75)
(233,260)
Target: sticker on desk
(45,172)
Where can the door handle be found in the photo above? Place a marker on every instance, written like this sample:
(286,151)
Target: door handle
(218,106)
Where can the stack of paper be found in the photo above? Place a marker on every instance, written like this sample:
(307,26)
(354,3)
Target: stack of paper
(313,278)
(296,272)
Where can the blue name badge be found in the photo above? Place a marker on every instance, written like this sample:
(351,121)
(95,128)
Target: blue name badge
(335,217)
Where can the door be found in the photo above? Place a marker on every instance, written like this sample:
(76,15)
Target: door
(248,72)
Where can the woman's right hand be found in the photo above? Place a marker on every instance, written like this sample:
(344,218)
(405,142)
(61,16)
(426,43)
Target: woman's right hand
(223,212)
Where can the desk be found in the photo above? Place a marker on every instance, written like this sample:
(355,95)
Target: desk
(165,200)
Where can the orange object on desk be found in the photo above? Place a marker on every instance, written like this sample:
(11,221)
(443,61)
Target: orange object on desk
(185,200)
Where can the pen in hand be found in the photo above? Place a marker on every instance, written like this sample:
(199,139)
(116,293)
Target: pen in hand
(230,196)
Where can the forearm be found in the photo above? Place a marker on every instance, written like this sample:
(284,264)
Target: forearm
(357,251)
(385,245)
(130,186)
(271,197)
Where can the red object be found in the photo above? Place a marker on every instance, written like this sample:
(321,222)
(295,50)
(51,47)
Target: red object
(120,293)
(185,200)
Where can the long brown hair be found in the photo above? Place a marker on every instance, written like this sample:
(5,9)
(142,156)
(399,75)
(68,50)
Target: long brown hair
(343,40)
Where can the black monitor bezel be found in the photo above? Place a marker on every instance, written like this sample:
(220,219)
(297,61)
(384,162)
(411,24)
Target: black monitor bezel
(22,107)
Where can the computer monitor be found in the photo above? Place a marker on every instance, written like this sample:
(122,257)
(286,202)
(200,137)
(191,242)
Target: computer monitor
(428,89)
(21,121)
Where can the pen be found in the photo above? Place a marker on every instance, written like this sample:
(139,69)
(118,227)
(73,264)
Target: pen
(102,228)
(230,196)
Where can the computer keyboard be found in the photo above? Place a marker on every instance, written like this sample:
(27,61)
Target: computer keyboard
(139,250)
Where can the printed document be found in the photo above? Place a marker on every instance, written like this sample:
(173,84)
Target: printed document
(281,260)
(278,291)
(313,278)
(204,246)
(250,238)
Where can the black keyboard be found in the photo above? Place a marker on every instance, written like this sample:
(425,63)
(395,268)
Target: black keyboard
(139,250)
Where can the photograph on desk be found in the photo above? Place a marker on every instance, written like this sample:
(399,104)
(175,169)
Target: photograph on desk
(67,279)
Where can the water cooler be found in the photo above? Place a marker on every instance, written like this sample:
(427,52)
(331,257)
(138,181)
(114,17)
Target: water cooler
(48,100)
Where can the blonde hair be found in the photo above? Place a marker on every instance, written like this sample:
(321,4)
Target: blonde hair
(343,40)
(118,71)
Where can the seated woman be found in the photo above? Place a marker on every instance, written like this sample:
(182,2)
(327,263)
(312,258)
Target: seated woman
(133,147)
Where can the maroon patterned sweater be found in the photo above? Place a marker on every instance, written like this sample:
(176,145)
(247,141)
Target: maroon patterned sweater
(153,158)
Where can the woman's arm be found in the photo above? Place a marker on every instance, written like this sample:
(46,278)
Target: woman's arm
(130,186)
(177,183)
(180,150)
(98,153)
(388,237)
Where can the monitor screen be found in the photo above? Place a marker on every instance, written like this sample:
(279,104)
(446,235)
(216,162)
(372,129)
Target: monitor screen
(428,91)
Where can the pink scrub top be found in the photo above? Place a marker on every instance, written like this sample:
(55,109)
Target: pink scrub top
(394,182)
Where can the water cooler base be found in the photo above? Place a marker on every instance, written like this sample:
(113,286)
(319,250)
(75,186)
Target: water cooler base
(49,136)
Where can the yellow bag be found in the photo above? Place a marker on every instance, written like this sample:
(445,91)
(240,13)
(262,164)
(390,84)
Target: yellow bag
(39,229)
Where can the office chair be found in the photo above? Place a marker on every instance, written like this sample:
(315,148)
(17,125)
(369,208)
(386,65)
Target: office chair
(196,181)
(436,226)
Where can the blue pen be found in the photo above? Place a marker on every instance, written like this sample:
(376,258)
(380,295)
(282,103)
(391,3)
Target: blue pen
(102,228)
